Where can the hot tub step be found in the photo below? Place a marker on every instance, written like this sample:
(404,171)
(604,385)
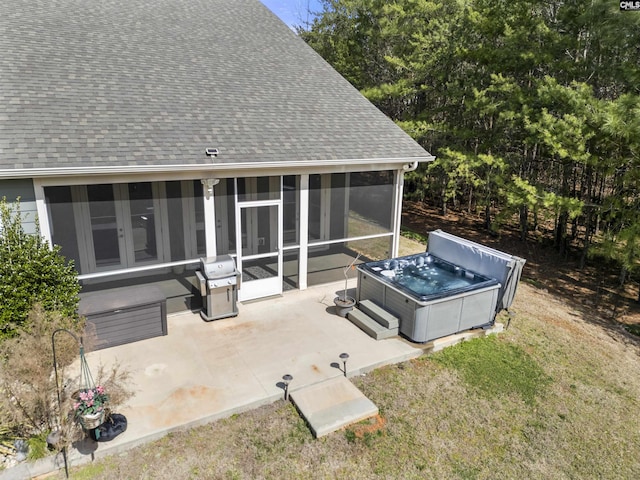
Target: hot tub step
(379,314)
(370,326)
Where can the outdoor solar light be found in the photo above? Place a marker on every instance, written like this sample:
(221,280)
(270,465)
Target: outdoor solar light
(208,184)
(287,379)
(344,357)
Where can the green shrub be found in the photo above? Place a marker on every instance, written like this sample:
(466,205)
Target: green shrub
(38,446)
(414,236)
(31,272)
(633,329)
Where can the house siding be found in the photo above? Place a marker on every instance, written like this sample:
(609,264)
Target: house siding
(22,189)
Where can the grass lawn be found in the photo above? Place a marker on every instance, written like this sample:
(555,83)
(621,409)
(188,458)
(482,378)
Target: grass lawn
(554,396)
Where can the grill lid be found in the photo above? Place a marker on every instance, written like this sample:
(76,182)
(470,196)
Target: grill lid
(218,267)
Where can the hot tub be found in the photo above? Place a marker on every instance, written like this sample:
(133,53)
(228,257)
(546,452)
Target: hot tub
(436,293)
(431,297)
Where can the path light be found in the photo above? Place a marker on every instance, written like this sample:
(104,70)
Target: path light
(287,380)
(344,357)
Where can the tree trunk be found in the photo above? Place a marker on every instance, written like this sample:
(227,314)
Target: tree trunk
(587,239)
(487,216)
(561,233)
(623,276)
(563,217)
(524,224)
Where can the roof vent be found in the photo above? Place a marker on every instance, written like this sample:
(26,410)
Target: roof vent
(212,152)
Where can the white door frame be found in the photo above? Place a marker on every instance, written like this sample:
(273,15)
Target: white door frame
(86,246)
(122,213)
(125,203)
(251,289)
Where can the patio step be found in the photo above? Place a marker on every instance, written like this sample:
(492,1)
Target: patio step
(332,404)
(379,314)
(370,326)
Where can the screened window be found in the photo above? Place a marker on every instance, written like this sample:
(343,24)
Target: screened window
(349,205)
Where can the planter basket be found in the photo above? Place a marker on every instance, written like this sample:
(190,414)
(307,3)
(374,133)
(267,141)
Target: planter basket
(90,421)
(344,305)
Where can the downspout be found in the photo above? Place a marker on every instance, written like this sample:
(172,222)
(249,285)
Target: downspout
(398,195)
(397,211)
(410,167)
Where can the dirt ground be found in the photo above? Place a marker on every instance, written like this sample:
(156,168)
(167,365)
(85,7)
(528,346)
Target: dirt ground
(592,289)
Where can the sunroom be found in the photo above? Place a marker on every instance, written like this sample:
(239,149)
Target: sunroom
(295,231)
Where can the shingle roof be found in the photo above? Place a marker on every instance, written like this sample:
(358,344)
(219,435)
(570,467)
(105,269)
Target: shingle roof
(155,82)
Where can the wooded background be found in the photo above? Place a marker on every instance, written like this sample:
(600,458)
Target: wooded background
(532,108)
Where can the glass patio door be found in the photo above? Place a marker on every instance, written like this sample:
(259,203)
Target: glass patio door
(259,232)
(141,231)
(122,223)
(105,250)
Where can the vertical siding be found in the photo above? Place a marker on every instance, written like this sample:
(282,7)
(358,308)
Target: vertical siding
(23,188)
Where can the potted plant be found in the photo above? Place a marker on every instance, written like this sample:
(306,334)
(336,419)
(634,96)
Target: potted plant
(344,304)
(89,406)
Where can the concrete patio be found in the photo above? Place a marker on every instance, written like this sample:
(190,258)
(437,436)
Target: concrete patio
(201,372)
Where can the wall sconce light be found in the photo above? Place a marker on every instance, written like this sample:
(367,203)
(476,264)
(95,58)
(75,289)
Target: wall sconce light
(344,357)
(208,184)
(287,380)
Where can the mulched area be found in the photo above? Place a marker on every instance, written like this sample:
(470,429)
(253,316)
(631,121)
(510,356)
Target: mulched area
(367,427)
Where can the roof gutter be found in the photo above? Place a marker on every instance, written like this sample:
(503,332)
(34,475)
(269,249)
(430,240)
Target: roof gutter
(409,164)
(410,167)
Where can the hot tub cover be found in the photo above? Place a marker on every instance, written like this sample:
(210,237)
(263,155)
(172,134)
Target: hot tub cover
(492,263)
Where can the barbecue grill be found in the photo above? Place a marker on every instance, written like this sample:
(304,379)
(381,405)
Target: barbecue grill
(219,281)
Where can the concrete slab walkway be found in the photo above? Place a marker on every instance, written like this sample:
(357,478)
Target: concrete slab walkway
(203,371)
(332,404)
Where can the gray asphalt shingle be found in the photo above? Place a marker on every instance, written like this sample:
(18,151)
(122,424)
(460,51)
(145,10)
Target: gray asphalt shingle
(155,82)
